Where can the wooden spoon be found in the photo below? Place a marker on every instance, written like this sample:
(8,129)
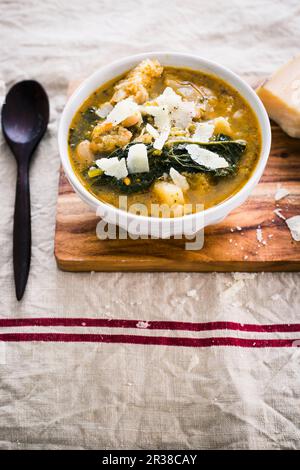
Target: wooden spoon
(25,116)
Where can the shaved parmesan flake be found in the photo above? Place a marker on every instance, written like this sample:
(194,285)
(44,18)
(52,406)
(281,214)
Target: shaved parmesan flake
(293,224)
(169,98)
(206,158)
(104,110)
(183,115)
(151,109)
(137,160)
(162,118)
(281,193)
(162,122)
(122,110)
(181,112)
(152,131)
(279,214)
(169,110)
(204,131)
(113,167)
(161,140)
(179,179)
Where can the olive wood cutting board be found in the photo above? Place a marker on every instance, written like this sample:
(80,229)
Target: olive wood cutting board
(226,248)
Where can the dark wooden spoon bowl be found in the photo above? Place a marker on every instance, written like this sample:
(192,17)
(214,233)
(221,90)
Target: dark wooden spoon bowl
(25,117)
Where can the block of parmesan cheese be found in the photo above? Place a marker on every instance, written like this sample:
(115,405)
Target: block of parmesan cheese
(281,97)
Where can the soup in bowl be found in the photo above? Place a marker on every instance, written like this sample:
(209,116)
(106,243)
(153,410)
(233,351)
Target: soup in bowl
(174,135)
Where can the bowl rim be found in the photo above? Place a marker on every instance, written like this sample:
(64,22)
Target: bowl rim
(252,99)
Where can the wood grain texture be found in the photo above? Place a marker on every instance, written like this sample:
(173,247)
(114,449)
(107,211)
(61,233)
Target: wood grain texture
(77,247)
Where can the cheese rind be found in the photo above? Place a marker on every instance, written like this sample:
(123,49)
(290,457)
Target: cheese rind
(281,97)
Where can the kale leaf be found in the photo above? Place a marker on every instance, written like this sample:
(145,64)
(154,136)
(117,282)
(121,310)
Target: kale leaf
(175,155)
(229,149)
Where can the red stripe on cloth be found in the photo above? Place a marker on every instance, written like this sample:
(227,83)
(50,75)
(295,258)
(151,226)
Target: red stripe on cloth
(152,340)
(152,325)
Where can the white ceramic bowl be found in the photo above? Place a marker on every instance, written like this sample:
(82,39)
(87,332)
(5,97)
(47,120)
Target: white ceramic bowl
(155,226)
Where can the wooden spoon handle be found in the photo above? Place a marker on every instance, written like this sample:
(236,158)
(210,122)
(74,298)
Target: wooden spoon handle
(22,231)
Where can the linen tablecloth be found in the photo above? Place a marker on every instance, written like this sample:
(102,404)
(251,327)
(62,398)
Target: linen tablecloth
(138,385)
